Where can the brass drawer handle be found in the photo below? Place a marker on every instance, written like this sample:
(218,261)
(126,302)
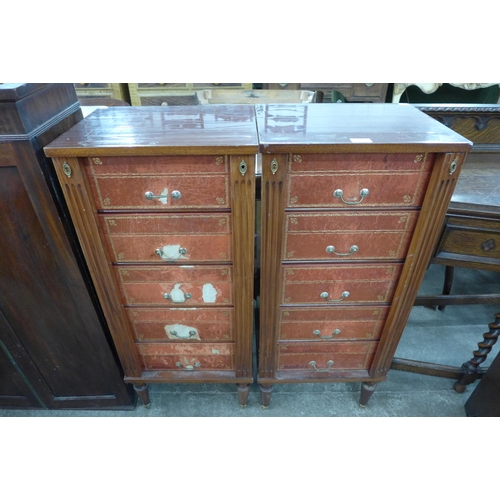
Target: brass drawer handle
(177,295)
(338,193)
(188,367)
(335,332)
(168,253)
(325,295)
(329,364)
(150,196)
(191,333)
(331,249)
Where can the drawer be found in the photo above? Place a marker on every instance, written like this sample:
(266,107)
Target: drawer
(332,324)
(168,238)
(477,239)
(186,356)
(174,182)
(357,180)
(184,285)
(326,357)
(343,284)
(181,325)
(368,235)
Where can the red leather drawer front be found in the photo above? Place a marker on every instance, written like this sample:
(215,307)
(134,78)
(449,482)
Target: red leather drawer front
(332,323)
(186,357)
(377,235)
(182,325)
(345,355)
(392,180)
(199,238)
(365,283)
(208,285)
(121,182)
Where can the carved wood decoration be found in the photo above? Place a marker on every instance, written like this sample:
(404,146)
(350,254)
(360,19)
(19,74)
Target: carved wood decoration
(163,200)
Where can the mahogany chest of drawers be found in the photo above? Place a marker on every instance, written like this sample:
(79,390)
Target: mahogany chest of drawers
(163,201)
(353,201)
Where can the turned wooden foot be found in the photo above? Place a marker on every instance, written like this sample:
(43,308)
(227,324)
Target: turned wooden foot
(265,395)
(367,389)
(243,390)
(143,393)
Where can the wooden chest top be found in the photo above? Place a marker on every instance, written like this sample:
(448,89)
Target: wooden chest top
(357,127)
(178,130)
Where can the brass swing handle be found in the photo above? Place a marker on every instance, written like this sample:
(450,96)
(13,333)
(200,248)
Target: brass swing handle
(168,296)
(151,196)
(331,249)
(329,364)
(338,193)
(318,333)
(188,367)
(325,295)
(191,333)
(160,252)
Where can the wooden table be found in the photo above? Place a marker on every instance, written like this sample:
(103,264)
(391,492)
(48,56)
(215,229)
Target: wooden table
(471,233)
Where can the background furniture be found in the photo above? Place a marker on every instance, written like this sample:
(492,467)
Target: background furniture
(484,401)
(118,91)
(471,231)
(353,92)
(163,203)
(54,345)
(353,201)
(230,96)
(171,94)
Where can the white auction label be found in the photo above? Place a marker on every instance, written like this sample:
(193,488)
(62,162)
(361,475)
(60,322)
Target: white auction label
(361,139)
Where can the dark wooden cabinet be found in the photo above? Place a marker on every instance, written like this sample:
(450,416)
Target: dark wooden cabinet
(55,347)
(163,201)
(353,201)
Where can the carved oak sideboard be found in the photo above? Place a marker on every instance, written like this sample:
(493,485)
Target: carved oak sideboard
(353,201)
(163,203)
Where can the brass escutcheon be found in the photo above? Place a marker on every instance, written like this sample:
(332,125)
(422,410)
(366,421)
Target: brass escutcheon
(67,169)
(243,168)
(274,166)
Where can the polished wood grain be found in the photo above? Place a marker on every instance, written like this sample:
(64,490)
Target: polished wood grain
(243,203)
(425,237)
(346,128)
(179,130)
(84,215)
